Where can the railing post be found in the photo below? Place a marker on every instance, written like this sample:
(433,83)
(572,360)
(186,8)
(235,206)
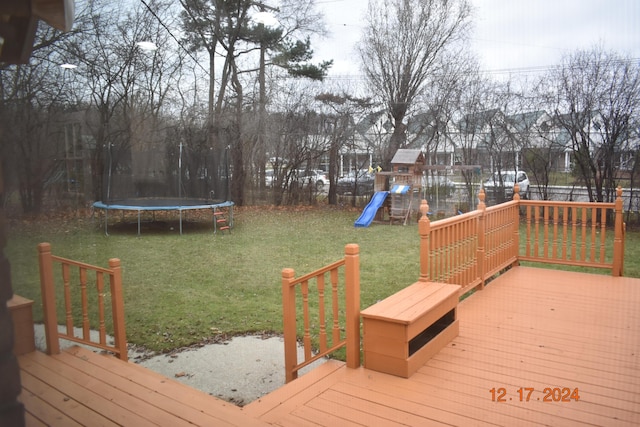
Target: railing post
(117,308)
(48,293)
(289,325)
(618,239)
(424,228)
(516,225)
(352,283)
(482,207)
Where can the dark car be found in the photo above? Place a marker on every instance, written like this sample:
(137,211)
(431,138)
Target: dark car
(359,185)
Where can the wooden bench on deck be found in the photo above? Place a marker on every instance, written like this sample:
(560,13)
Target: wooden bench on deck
(406,329)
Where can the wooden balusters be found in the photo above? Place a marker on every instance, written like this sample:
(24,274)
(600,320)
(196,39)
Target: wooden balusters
(86,327)
(336,310)
(101,326)
(603,233)
(321,316)
(574,233)
(545,244)
(554,246)
(565,229)
(351,265)
(74,271)
(66,283)
(306,337)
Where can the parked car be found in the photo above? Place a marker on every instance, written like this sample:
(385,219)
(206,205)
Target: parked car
(506,180)
(316,178)
(359,185)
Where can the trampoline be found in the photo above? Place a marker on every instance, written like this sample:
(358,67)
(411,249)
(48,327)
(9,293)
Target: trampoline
(148,175)
(164,204)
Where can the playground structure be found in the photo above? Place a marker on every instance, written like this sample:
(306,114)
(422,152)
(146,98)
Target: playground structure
(394,191)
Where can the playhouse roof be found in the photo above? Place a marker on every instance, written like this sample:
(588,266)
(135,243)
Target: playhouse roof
(407,157)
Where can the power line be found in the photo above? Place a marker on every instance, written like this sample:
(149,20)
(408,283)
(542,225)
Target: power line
(175,38)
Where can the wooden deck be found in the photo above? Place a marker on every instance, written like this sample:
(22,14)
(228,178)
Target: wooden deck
(530,328)
(81,388)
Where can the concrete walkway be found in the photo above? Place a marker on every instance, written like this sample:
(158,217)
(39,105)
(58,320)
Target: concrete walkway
(240,370)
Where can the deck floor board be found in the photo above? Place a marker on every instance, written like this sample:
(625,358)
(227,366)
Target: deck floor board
(531,327)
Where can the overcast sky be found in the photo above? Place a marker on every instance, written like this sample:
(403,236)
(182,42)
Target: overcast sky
(508,34)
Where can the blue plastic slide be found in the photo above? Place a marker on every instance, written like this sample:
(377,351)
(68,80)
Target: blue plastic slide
(370,210)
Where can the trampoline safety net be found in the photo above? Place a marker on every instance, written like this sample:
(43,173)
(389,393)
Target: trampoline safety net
(173,172)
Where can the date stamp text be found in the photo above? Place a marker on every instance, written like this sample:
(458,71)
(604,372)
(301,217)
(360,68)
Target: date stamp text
(528,394)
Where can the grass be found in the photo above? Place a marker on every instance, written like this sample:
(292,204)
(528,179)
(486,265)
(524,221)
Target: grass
(181,290)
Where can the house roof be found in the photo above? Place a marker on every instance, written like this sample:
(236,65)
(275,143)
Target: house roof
(473,123)
(363,126)
(523,122)
(407,157)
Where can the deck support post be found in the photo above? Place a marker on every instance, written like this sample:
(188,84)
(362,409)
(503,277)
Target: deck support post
(352,279)
(618,239)
(48,298)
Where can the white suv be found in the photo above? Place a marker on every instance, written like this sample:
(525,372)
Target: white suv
(507,180)
(312,177)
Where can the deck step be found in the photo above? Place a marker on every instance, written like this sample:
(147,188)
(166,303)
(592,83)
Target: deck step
(275,404)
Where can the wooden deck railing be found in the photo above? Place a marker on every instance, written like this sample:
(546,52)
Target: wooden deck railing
(573,233)
(468,249)
(329,334)
(79,277)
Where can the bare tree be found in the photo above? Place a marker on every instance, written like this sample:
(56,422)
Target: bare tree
(466,115)
(32,97)
(594,96)
(401,45)
(125,86)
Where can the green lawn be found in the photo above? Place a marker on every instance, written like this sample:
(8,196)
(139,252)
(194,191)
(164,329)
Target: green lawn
(180,290)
